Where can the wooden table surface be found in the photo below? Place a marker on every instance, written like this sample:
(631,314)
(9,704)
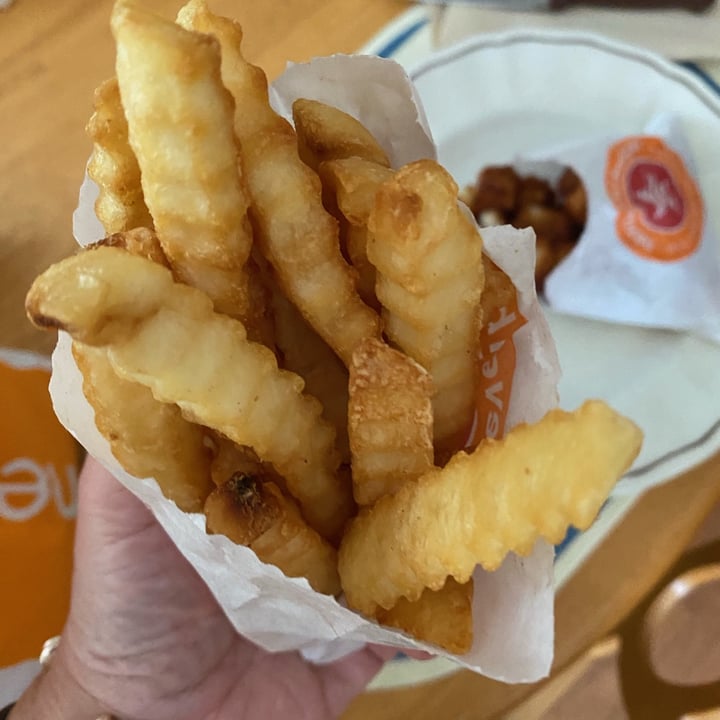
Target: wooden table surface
(52,55)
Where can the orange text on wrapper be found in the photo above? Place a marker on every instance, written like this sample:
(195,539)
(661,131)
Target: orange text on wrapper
(497,368)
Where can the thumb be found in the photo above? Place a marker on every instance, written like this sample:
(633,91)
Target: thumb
(106,509)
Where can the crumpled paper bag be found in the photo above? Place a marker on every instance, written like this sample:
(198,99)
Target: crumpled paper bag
(513,607)
(648,255)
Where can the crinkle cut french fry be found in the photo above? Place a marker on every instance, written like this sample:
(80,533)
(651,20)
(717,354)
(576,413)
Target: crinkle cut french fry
(229,458)
(306,354)
(295,233)
(442,617)
(180,121)
(138,241)
(389,421)
(326,133)
(498,291)
(428,255)
(352,183)
(258,321)
(355,182)
(534,483)
(113,166)
(390,427)
(148,438)
(166,336)
(256,514)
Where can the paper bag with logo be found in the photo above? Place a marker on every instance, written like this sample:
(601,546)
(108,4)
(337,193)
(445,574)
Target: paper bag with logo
(38,489)
(513,606)
(649,254)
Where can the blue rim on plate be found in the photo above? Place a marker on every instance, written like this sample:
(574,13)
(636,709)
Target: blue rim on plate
(393,45)
(406,28)
(402,38)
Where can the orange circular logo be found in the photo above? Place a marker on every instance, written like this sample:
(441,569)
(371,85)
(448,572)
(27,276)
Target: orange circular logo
(660,209)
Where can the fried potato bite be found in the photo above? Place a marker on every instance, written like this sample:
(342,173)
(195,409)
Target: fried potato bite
(534,483)
(113,166)
(166,336)
(180,121)
(229,458)
(326,133)
(352,183)
(389,421)
(306,354)
(442,617)
(256,514)
(148,438)
(138,241)
(390,427)
(428,255)
(294,231)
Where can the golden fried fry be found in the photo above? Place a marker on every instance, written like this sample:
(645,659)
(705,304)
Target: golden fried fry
(498,290)
(534,483)
(442,617)
(352,183)
(327,133)
(295,233)
(139,241)
(229,458)
(113,166)
(148,438)
(258,320)
(355,182)
(355,244)
(165,335)
(428,255)
(180,120)
(257,514)
(390,427)
(306,354)
(389,421)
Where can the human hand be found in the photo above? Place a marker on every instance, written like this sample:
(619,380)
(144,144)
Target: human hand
(146,640)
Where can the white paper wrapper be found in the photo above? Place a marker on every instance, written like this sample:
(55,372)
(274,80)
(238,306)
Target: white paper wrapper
(513,607)
(603,278)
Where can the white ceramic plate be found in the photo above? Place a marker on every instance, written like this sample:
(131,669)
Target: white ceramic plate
(498,95)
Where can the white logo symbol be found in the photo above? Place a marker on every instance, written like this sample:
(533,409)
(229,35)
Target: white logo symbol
(658,194)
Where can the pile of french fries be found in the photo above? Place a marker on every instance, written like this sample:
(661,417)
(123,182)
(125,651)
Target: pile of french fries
(282,330)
